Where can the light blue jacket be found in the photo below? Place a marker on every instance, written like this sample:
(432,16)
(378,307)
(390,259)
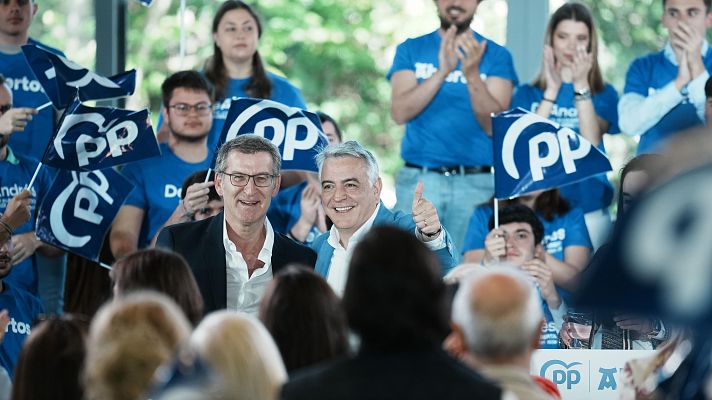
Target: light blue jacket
(447,255)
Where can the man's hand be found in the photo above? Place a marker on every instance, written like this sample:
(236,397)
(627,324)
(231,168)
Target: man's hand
(495,246)
(447,55)
(573,330)
(24,245)
(4,322)
(634,323)
(15,120)
(470,53)
(17,211)
(309,205)
(196,197)
(425,215)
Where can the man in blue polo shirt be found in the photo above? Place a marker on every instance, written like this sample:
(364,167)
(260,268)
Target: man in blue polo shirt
(187,100)
(445,85)
(665,91)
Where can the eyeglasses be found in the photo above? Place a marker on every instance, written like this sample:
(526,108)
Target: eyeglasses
(5,108)
(183,109)
(241,180)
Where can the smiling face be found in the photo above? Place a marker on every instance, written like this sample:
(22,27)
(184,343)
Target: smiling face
(348,197)
(520,245)
(237,35)
(456,12)
(246,205)
(568,36)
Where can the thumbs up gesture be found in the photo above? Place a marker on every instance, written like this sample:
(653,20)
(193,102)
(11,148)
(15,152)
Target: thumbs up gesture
(425,215)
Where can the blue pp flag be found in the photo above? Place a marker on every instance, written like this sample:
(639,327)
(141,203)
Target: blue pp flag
(297,133)
(63,79)
(91,138)
(79,208)
(533,153)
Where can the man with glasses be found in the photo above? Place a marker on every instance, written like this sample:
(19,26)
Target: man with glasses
(234,254)
(187,99)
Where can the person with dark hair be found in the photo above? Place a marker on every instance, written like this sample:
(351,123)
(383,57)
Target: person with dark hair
(51,360)
(566,239)
(395,301)
(234,254)
(622,330)
(522,233)
(664,91)
(305,318)
(187,101)
(197,195)
(330,128)
(571,92)
(236,68)
(351,197)
(162,271)
(708,101)
(445,86)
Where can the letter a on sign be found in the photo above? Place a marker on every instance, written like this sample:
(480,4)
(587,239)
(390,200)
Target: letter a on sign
(534,153)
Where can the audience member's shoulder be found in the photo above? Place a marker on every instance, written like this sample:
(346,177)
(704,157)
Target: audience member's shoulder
(293,247)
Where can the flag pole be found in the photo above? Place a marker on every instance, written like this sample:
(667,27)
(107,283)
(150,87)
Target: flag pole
(207,176)
(43,106)
(103,265)
(496,213)
(34,176)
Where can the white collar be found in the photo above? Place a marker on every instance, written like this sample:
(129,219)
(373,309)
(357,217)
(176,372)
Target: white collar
(670,53)
(266,252)
(335,239)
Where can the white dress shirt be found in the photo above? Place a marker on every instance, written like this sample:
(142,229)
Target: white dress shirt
(339,267)
(244,292)
(637,113)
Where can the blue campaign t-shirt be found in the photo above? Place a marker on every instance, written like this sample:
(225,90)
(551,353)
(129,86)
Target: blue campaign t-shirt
(27,92)
(157,185)
(596,192)
(561,232)
(23,309)
(285,209)
(446,132)
(650,73)
(282,92)
(15,173)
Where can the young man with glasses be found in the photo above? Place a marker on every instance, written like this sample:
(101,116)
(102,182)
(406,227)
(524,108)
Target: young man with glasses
(234,254)
(187,99)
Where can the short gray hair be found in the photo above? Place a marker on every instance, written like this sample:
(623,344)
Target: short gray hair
(350,148)
(248,144)
(505,334)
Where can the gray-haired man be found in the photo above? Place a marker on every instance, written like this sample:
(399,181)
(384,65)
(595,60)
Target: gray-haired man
(351,193)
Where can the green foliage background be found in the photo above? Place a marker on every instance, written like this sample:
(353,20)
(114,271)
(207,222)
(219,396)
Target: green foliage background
(336,51)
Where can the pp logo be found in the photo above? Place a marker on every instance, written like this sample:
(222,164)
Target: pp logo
(562,373)
(118,137)
(556,143)
(284,131)
(92,190)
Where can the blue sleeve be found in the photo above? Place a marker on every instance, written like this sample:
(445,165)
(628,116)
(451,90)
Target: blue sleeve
(137,197)
(477,229)
(606,106)
(502,65)
(576,232)
(402,59)
(635,78)
(286,93)
(524,96)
